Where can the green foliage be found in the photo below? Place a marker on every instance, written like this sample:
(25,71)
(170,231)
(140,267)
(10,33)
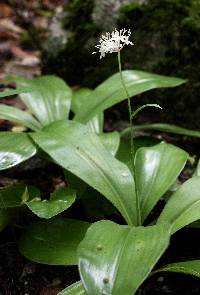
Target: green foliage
(111,141)
(19,90)
(18,116)
(184,206)
(15,148)
(74,289)
(8,216)
(87,156)
(54,241)
(124,151)
(111,92)
(163,128)
(90,161)
(156,169)
(103,261)
(21,195)
(49,100)
(17,195)
(186,267)
(59,201)
(154,181)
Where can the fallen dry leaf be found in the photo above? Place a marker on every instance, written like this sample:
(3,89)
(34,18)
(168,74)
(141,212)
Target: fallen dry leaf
(6,24)
(5,10)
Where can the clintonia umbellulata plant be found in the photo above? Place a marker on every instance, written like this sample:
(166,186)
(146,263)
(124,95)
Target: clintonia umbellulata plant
(108,249)
(50,99)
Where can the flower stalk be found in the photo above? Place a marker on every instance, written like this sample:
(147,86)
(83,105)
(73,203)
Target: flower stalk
(115,42)
(129,106)
(139,221)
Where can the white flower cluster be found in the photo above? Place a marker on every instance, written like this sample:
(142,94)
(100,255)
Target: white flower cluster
(113,42)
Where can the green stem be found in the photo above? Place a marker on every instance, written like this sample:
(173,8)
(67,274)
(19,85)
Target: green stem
(129,107)
(132,133)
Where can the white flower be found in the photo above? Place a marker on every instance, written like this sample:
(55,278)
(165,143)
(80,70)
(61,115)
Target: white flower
(113,42)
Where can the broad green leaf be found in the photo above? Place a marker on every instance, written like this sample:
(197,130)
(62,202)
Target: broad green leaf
(96,123)
(8,216)
(111,91)
(95,206)
(163,128)
(13,196)
(19,195)
(183,207)
(74,289)
(60,200)
(115,259)
(53,241)
(74,182)
(156,169)
(111,141)
(11,92)
(78,100)
(15,148)
(191,267)
(4,219)
(124,150)
(49,100)
(195,224)
(77,149)
(18,116)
